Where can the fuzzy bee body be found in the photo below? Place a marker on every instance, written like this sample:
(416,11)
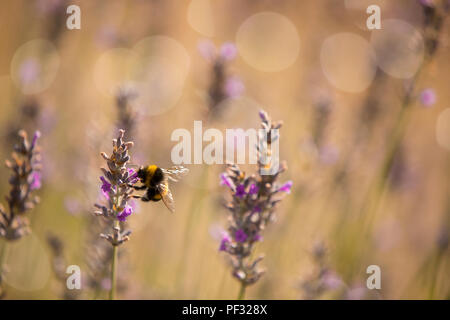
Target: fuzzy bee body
(155,181)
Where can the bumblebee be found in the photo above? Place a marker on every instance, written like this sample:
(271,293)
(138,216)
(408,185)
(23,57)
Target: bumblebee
(155,181)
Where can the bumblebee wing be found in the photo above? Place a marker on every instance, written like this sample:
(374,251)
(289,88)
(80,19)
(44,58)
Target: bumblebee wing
(175,173)
(166,196)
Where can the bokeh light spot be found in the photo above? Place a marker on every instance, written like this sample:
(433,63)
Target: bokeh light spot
(111,70)
(348,62)
(31,264)
(34,66)
(399,48)
(268,42)
(200,17)
(443,129)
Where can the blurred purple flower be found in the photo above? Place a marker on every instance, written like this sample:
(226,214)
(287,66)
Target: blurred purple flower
(234,87)
(125,213)
(28,71)
(240,235)
(328,155)
(286,187)
(428,97)
(427,3)
(240,191)
(228,51)
(107,37)
(331,280)
(35,182)
(207,50)
(106,284)
(72,205)
(357,293)
(48,6)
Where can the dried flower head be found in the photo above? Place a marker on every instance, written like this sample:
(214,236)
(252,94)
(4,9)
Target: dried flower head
(252,207)
(25,179)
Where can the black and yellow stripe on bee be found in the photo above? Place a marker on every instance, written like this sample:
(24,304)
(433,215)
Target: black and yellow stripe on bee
(151,176)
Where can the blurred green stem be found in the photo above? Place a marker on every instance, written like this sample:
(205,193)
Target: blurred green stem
(112,292)
(3,256)
(377,189)
(196,206)
(241,295)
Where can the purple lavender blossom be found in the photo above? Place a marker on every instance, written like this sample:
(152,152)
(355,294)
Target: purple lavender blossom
(252,208)
(35,182)
(257,237)
(253,189)
(228,51)
(225,180)
(240,191)
(207,50)
(25,167)
(234,87)
(125,213)
(286,187)
(224,242)
(240,235)
(256,209)
(133,176)
(428,97)
(36,136)
(106,187)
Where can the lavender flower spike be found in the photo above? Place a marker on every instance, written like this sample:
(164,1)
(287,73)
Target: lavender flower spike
(251,208)
(25,178)
(115,186)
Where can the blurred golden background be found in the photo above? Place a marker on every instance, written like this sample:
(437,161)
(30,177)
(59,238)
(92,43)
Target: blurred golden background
(365,136)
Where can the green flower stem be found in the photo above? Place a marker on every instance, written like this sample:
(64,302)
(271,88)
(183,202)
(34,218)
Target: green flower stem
(112,292)
(4,256)
(241,295)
